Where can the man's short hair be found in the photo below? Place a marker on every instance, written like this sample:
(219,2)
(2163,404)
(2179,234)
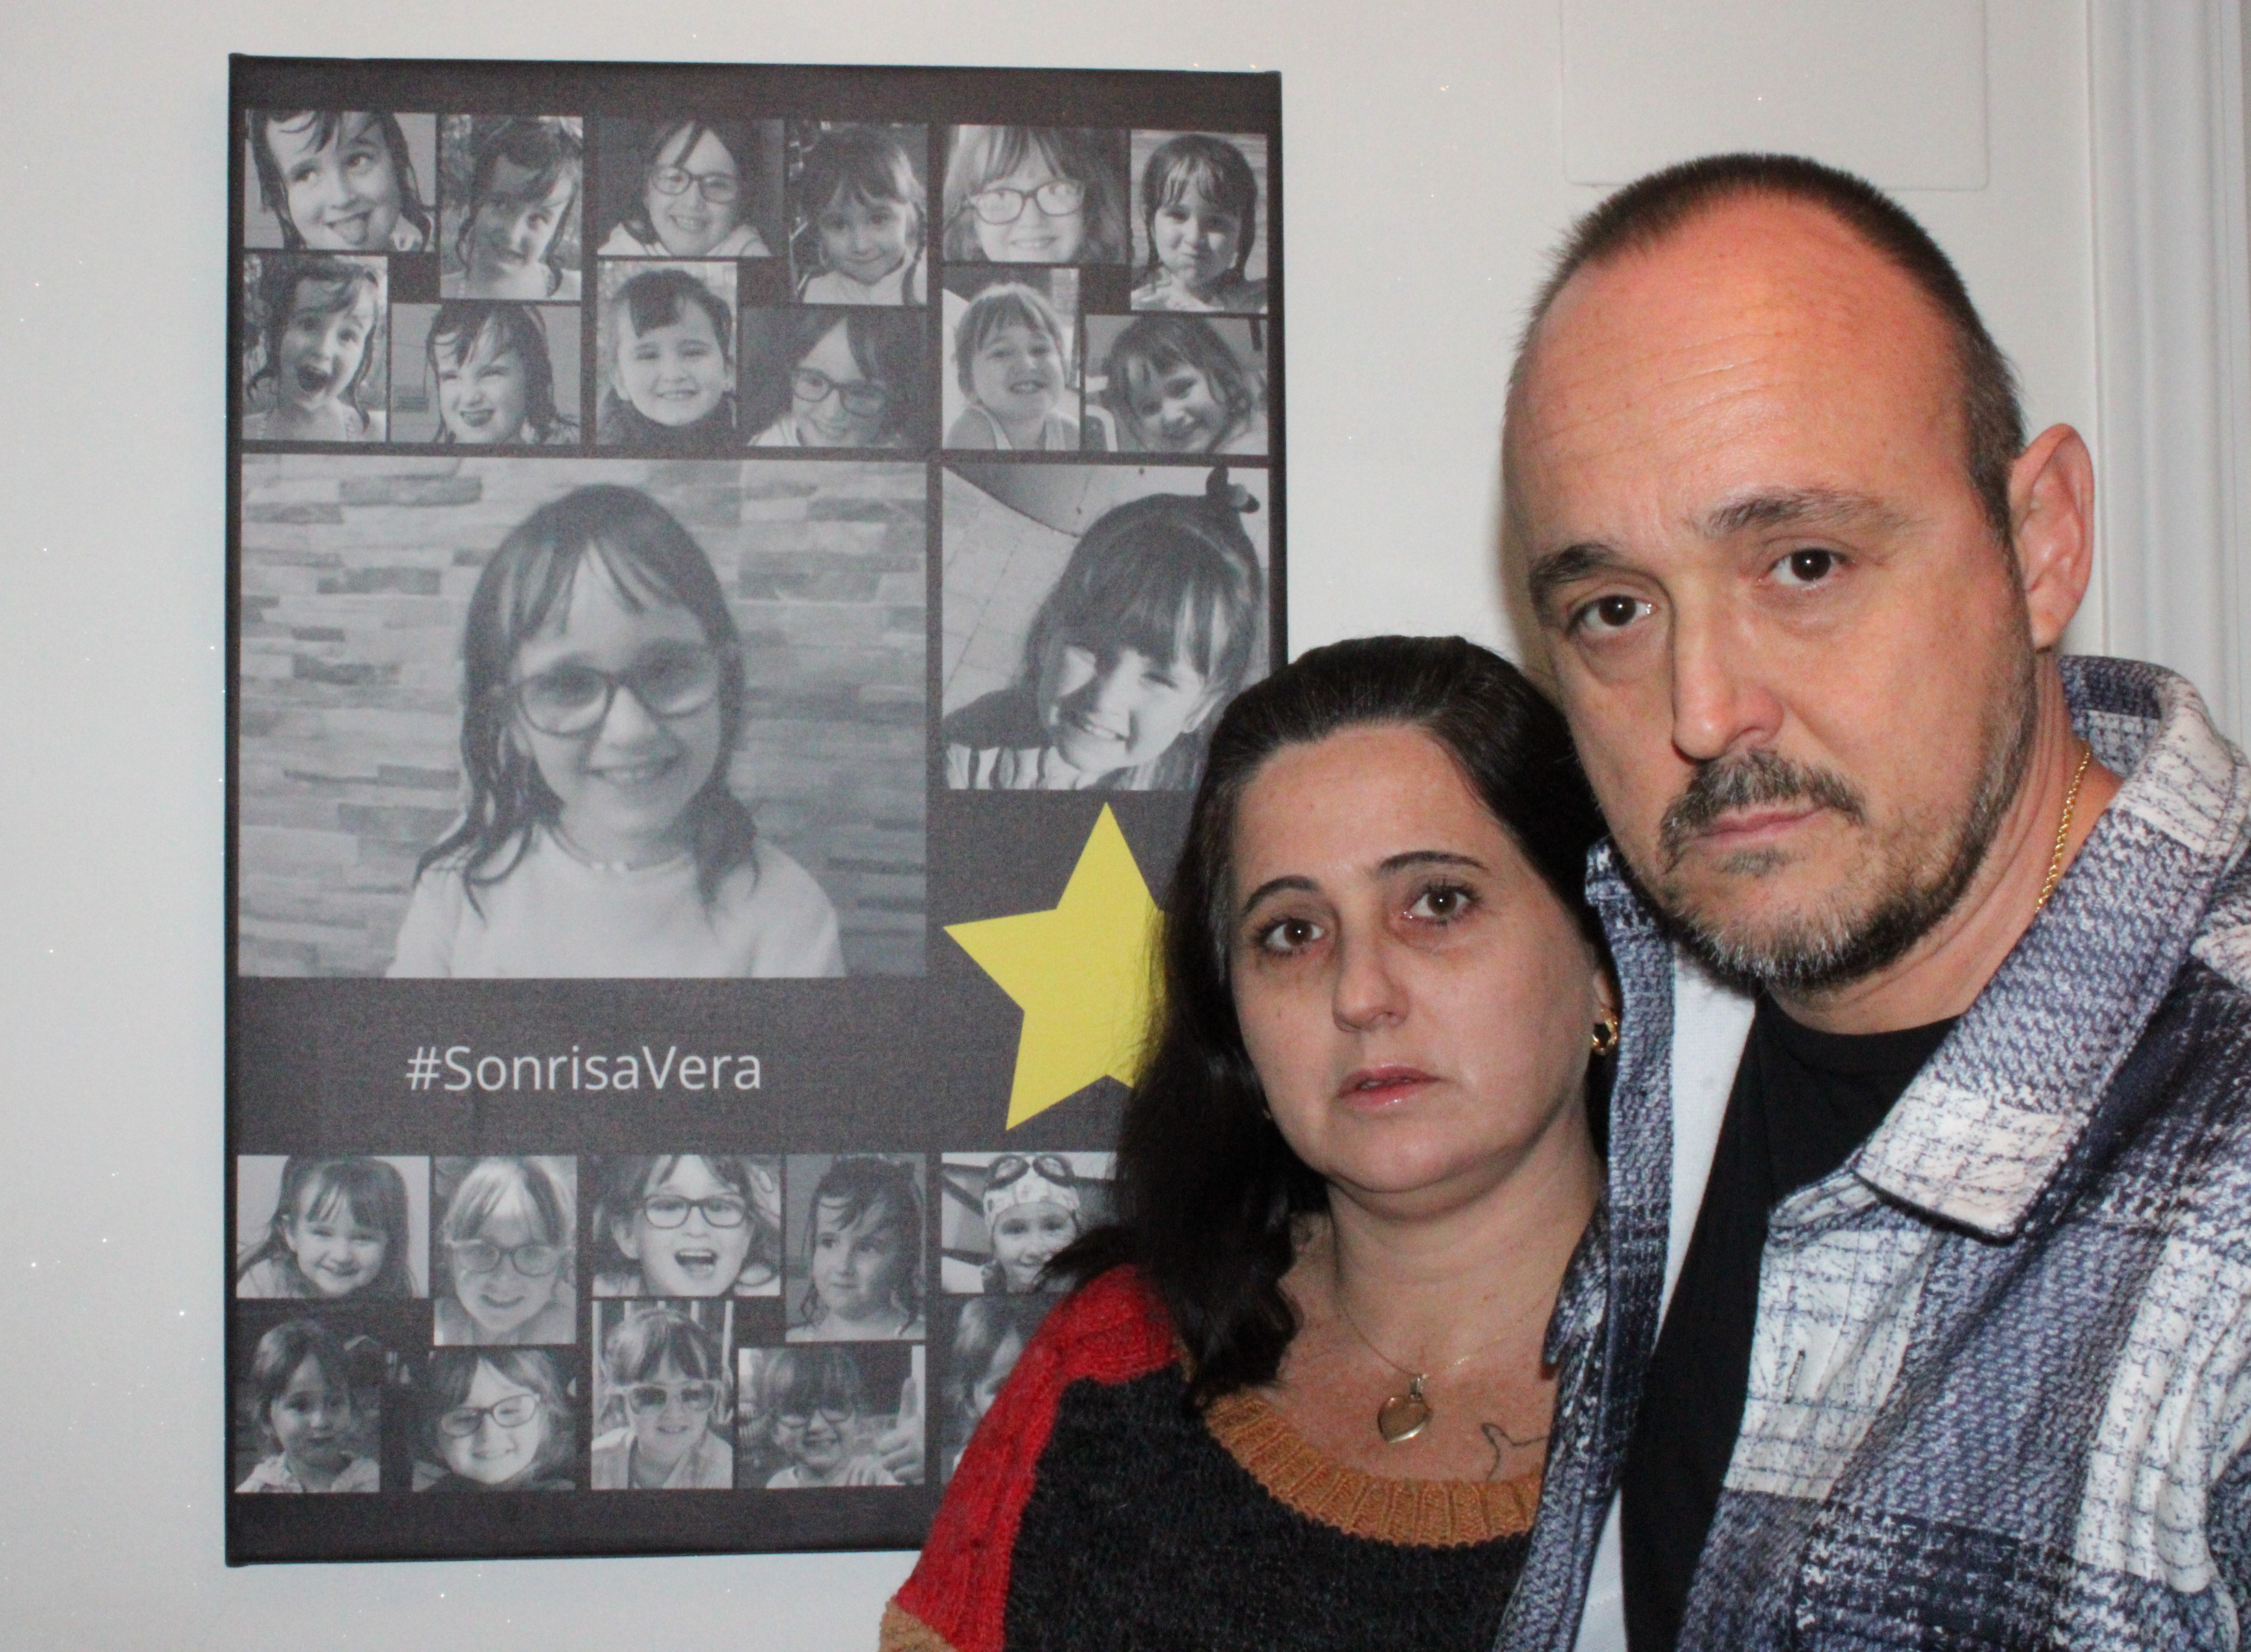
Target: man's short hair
(1646,210)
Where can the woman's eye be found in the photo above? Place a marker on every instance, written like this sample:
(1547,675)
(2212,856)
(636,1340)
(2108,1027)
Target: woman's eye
(1286,936)
(1441,904)
(1802,568)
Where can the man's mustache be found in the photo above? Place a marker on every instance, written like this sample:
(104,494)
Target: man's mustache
(1744,782)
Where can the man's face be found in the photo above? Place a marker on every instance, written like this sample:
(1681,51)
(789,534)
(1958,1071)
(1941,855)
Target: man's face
(1794,658)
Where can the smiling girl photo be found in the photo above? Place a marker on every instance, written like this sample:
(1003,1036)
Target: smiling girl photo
(505,1252)
(509,224)
(687,187)
(662,1404)
(314,371)
(855,1248)
(1196,228)
(1007,1216)
(341,180)
(474,373)
(326,1228)
(688,1224)
(1012,362)
(668,346)
(496,1420)
(1035,195)
(861,218)
(835,378)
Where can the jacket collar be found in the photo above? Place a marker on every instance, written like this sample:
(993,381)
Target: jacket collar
(1985,1127)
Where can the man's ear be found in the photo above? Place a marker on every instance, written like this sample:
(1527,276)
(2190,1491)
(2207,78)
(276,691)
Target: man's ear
(2052,523)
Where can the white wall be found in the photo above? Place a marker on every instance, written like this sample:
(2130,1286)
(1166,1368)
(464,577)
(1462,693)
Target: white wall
(1424,166)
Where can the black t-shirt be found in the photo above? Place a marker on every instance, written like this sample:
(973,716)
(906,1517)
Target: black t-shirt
(1803,1103)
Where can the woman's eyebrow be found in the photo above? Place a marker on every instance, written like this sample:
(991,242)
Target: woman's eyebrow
(1275,886)
(1429,857)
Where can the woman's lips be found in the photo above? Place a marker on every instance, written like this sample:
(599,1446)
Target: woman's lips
(1380,1087)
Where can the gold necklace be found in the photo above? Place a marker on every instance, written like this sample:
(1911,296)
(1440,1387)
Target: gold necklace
(2063,828)
(1401,1417)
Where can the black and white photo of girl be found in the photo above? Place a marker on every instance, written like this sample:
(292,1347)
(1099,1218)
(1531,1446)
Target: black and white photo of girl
(341,180)
(666,342)
(1010,379)
(859,213)
(331,1227)
(1035,195)
(1168,383)
(833,377)
(494,1419)
(664,1409)
(313,365)
(687,1225)
(690,735)
(309,1405)
(1008,1215)
(508,207)
(854,1235)
(988,1337)
(1200,221)
(505,1251)
(474,373)
(1097,620)
(813,1418)
(689,186)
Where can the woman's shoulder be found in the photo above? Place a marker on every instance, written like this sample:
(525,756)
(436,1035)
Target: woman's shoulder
(1113,1328)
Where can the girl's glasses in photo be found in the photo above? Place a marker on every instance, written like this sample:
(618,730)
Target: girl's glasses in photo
(481,1256)
(1057,197)
(573,700)
(670,1210)
(652,1397)
(862,399)
(834,1415)
(717,188)
(511,1413)
(1012,1167)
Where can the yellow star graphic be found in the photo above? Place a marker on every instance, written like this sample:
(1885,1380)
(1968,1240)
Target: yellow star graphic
(1080,972)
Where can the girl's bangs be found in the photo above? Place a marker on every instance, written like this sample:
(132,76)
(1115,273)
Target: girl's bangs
(338,294)
(1166,605)
(329,1196)
(456,345)
(1192,174)
(486,1198)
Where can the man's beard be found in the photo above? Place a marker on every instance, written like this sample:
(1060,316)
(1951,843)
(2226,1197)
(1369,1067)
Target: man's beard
(1807,954)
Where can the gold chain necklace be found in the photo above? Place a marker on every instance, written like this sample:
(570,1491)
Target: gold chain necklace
(1401,1417)
(2063,829)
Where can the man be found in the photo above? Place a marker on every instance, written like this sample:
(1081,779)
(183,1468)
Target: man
(1957,1351)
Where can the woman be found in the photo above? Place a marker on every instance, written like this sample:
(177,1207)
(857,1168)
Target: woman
(1298,1398)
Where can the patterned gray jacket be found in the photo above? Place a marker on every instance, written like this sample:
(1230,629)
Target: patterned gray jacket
(2000,1387)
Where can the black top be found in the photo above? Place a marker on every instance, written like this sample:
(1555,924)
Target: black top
(1803,1103)
(1142,1533)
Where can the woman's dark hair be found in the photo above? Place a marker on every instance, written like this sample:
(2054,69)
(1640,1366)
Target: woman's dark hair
(649,558)
(1208,1191)
(273,189)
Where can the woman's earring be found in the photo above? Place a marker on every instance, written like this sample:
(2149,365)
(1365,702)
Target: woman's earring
(1603,1040)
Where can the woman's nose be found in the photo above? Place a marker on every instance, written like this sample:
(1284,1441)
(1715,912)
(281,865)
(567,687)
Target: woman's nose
(1367,995)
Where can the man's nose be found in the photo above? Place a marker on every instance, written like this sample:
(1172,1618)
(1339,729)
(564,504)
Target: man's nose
(1719,702)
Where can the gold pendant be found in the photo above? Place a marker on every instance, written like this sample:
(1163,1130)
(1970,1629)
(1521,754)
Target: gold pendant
(1403,1416)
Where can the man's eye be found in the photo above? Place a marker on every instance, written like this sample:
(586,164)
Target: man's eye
(1612,613)
(1804,568)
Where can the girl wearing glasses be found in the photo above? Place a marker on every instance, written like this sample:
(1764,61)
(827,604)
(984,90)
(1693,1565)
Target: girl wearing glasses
(851,378)
(688,1224)
(810,1400)
(504,1253)
(694,177)
(498,1421)
(1035,195)
(603,693)
(670,1376)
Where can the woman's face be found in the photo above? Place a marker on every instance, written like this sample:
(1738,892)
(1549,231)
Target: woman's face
(335,1250)
(1017,374)
(343,195)
(704,202)
(857,1265)
(1197,241)
(321,346)
(864,239)
(481,398)
(312,1419)
(987,1388)
(503,1299)
(625,783)
(1040,233)
(494,1452)
(825,377)
(681,1250)
(513,228)
(1027,1237)
(1177,411)
(1416,1001)
(670,1412)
